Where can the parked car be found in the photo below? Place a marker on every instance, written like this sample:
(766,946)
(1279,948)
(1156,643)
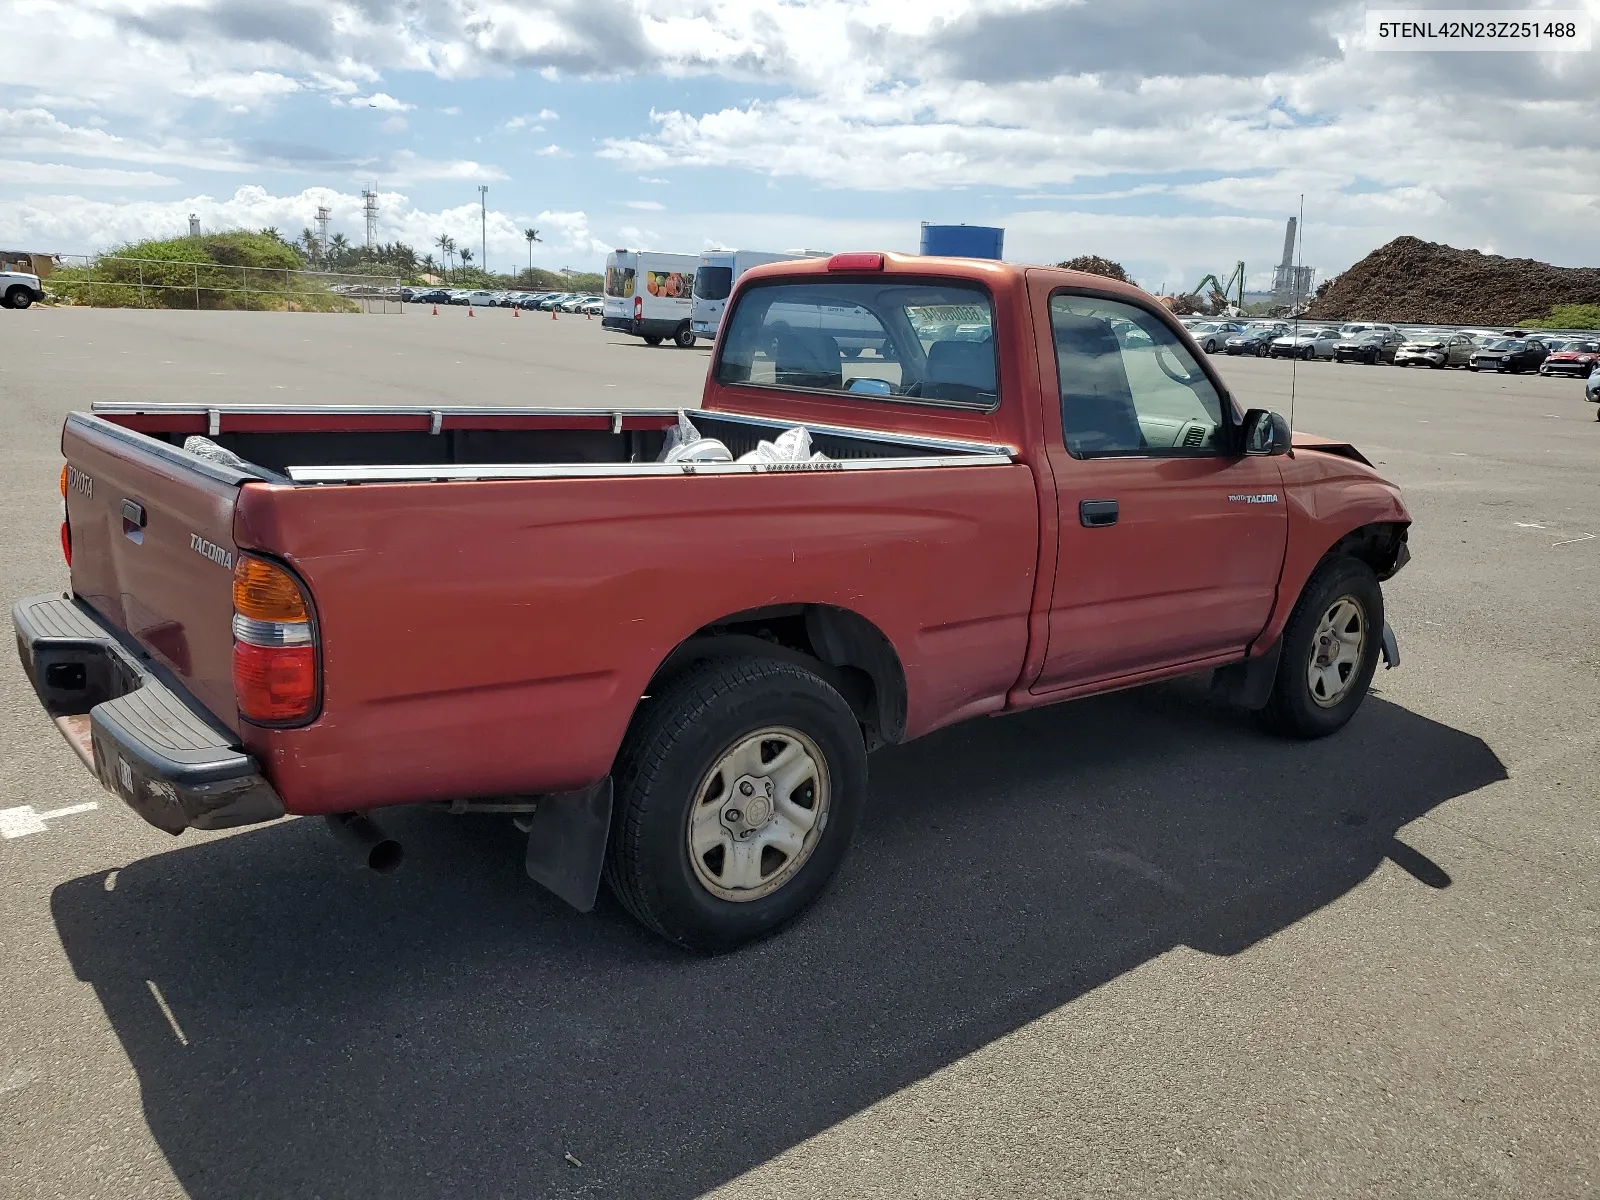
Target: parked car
(1211,336)
(1255,338)
(1435,350)
(570,304)
(554,300)
(530,300)
(459,296)
(266,645)
(592,306)
(1351,328)
(432,296)
(1591,391)
(1307,344)
(1371,347)
(1580,356)
(19,289)
(1508,354)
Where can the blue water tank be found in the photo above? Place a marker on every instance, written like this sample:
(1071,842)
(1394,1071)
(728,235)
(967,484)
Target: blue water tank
(962,241)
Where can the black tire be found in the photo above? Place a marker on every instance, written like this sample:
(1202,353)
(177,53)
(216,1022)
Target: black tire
(651,340)
(1293,711)
(19,297)
(684,338)
(1262,351)
(678,737)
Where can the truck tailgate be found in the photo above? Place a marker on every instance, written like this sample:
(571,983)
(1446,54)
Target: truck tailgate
(153,552)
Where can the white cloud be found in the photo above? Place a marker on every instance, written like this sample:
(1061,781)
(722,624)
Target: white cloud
(453,111)
(38,173)
(63,223)
(395,125)
(381,101)
(553,151)
(645,205)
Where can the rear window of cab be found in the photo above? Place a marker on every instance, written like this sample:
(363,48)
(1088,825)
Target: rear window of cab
(922,342)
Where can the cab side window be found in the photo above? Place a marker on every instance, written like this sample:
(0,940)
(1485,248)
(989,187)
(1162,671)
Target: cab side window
(1128,385)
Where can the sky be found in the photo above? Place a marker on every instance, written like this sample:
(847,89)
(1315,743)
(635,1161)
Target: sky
(1174,137)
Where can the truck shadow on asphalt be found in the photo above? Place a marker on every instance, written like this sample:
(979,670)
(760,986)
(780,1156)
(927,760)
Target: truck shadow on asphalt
(453,1031)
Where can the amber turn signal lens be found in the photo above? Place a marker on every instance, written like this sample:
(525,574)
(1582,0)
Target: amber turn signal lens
(264,591)
(63,481)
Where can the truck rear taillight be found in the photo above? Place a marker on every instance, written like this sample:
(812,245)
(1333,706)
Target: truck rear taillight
(66,530)
(276,673)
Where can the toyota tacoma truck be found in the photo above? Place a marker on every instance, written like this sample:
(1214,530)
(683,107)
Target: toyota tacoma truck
(671,671)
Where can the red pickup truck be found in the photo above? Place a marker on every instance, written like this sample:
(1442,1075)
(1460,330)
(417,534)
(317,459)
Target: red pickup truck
(1024,485)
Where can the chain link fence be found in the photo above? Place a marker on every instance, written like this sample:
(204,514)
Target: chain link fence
(107,281)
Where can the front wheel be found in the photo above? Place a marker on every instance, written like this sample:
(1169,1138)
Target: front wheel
(1261,351)
(684,338)
(738,790)
(651,339)
(1330,650)
(19,298)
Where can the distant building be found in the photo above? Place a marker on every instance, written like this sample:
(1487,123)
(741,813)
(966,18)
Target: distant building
(31,261)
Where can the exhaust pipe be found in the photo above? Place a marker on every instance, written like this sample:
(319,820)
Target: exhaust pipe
(375,849)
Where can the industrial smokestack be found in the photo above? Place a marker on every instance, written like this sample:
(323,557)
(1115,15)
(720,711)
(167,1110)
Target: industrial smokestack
(1288,243)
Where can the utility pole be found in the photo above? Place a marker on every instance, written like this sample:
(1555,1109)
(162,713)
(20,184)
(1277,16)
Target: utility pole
(483,227)
(370,207)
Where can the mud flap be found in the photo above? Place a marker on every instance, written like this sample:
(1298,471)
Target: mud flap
(1248,684)
(567,837)
(1391,649)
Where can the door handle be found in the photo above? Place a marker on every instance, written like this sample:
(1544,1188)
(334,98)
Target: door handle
(133,513)
(1092,514)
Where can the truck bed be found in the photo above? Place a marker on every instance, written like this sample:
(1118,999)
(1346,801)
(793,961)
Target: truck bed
(322,444)
(483,576)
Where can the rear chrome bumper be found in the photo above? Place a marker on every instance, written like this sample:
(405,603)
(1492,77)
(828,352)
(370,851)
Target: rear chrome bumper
(141,735)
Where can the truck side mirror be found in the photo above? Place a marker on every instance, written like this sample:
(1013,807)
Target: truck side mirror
(1265,433)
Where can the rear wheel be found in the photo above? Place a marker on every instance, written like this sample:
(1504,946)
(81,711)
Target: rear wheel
(684,338)
(651,339)
(738,790)
(1330,650)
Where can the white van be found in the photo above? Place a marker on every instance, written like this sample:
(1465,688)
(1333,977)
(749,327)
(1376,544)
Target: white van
(719,270)
(648,295)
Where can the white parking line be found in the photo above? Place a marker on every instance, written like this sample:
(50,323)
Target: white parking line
(25,819)
(166,1011)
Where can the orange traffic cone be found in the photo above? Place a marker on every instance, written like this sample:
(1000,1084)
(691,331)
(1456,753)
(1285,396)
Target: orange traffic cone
(552,314)
(587,315)
(436,310)
(515,311)
(470,313)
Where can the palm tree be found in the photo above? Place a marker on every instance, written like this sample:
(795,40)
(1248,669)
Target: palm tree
(338,245)
(309,241)
(446,244)
(428,265)
(466,259)
(533,236)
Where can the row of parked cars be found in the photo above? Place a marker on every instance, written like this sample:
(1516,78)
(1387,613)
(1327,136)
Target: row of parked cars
(568,302)
(1510,350)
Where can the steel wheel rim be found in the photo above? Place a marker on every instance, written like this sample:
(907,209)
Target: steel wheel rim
(758,814)
(1336,651)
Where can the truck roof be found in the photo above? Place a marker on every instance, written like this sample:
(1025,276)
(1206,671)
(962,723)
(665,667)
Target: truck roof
(995,274)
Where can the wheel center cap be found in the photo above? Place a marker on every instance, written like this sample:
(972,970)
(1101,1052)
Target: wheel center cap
(757,811)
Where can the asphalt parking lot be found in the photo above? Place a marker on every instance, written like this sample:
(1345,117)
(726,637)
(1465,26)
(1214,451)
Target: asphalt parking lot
(1125,947)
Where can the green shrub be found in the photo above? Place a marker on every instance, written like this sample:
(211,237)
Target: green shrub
(233,270)
(1569,316)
